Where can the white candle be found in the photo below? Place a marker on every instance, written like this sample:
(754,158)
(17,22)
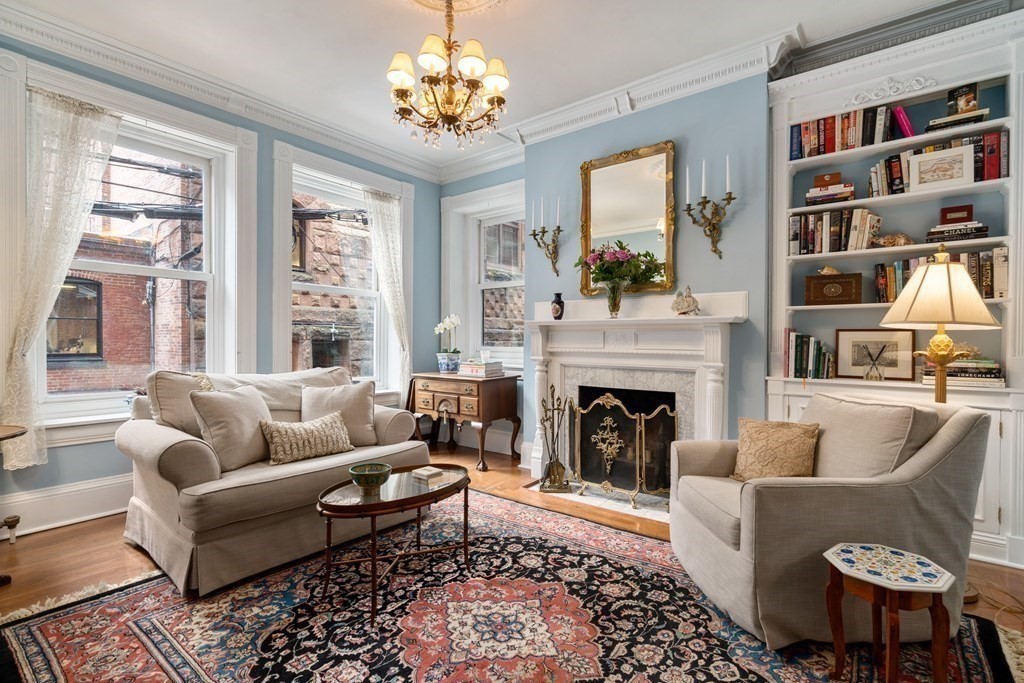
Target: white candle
(687,184)
(558,211)
(542,212)
(703,179)
(727,174)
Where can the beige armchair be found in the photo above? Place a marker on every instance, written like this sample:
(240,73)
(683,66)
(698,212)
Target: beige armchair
(755,548)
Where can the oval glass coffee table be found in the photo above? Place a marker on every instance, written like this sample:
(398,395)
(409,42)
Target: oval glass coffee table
(400,493)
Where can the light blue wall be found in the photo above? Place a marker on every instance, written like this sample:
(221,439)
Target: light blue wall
(732,119)
(78,463)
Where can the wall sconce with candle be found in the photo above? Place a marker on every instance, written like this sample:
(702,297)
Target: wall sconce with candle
(711,214)
(550,249)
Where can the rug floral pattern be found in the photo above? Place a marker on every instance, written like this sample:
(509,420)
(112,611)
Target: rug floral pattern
(547,598)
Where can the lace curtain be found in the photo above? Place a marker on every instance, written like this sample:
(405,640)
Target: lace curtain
(68,145)
(386,240)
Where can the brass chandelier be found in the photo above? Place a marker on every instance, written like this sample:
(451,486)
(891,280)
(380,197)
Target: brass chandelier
(465,99)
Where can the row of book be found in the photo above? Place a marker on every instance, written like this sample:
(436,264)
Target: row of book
(991,161)
(832,231)
(849,130)
(474,367)
(990,271)
(976,372)
(806,357)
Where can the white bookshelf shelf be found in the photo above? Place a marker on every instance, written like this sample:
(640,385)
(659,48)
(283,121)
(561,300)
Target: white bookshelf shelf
(870,305)
(890,384)
(895,146)
(883,252)
(982,187)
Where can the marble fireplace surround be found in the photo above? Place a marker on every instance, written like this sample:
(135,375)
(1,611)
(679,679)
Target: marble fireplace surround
(647,347)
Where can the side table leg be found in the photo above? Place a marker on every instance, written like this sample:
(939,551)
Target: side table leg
(465,526)
(877,654)
(834,604)
(419,526)
(517,424)
(940,638)
(373,571)
(481,434)
(892,637)
(327,554)
(435,427)
(452,443)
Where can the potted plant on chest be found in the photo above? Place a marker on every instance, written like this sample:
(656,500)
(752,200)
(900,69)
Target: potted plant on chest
(449,359)
(615,266)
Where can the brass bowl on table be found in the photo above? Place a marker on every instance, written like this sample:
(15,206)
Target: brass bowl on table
(370,476)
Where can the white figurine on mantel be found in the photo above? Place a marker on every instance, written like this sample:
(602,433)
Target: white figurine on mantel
(686,304)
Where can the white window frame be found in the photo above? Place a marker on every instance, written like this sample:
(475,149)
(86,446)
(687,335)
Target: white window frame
(462,217)
(337,175)
(512,356)
(231,222)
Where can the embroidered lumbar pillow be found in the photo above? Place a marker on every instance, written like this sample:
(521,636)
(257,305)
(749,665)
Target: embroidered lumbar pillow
(292,441)
(775,449)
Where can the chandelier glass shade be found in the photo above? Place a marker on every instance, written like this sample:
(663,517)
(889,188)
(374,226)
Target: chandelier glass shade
(463,96)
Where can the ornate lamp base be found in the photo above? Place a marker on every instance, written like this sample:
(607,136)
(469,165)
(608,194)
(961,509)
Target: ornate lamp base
(940,352)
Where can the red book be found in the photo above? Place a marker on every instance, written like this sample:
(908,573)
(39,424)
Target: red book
(903,122)
(830,135)
(991,145)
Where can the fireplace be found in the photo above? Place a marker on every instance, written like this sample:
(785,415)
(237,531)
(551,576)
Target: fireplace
(620,439)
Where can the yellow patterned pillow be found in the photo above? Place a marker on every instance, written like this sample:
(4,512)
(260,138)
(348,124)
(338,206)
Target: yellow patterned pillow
(291,441)
(775,449)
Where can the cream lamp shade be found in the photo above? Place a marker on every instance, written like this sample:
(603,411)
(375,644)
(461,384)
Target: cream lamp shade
(496,76)
(940,293)
(400,72)
(472,62)
(433,56)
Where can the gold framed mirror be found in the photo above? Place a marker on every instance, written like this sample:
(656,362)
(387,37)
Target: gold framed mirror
(629,196)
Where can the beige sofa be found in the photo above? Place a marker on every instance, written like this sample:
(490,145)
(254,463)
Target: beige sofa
(206,527)
(755,548)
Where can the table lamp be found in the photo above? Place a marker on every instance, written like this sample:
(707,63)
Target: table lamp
(940,296)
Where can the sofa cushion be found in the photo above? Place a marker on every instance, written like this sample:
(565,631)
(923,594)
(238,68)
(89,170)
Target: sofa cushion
(355,402)
(774,449)
(263,489)
(230,423)
(168,392)
(715,501)
(862,438)
(293,441)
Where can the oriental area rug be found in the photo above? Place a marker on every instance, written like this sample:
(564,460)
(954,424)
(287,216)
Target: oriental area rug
(548,598)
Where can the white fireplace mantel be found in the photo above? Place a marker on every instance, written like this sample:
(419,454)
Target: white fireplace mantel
(646,337)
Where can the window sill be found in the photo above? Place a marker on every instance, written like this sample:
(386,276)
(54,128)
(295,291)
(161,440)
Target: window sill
(72,431)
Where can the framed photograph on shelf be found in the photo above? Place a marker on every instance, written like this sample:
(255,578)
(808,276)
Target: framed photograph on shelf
(944,168)
(875,354)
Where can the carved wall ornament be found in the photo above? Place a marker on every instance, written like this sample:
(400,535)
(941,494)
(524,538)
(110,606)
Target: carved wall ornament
(890,87)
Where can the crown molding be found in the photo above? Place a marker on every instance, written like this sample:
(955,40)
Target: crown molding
(500,156)
(671,84)
(979,36)
(45,31)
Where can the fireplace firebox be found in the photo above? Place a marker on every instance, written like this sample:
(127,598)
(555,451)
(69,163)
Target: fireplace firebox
(621,440)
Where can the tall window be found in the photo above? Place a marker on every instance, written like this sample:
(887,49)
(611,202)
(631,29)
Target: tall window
(135,297)
(336,309)
(501,284)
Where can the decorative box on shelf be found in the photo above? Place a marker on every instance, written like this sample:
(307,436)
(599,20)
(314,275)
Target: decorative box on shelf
(828,290)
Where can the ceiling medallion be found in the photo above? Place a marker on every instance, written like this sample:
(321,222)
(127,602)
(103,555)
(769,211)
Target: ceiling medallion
(464,98)
(460,6)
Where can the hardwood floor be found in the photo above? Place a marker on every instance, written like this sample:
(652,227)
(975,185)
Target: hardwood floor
(65,560)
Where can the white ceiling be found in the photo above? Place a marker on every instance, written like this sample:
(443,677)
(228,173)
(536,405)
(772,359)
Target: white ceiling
(327,58)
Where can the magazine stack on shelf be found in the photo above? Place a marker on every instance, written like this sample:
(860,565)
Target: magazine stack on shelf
(961,109)
(474,367)
(978,372)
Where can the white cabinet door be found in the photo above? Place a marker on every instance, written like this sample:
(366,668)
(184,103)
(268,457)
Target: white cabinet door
(986,514)
(795,407)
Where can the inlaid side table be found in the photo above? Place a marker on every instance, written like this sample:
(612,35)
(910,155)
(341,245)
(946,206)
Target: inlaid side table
(897,580)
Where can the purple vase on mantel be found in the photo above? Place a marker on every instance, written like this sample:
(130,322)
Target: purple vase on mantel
(557,306)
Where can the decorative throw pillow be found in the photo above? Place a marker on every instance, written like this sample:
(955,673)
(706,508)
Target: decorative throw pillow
(775,449)
(291,441)
(354,401)
(230,423)
(169,401)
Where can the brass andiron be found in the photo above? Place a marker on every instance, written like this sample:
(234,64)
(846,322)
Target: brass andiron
(553,415)
(550,249)
(710,222)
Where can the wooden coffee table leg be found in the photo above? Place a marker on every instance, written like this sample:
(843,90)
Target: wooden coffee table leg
(327,554)
(892,636)
(419,526)
(940,638)
(373,571)
(465,526)
(834,604)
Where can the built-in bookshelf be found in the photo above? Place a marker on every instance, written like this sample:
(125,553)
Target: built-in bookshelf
(918,77)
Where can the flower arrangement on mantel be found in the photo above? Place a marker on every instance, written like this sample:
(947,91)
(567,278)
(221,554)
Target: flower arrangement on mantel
(450,358)
(615,266)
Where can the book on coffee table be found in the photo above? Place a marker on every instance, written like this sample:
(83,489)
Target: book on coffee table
(427,473)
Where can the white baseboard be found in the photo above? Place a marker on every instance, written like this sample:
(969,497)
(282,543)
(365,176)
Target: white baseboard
(536,460)
(62,505)
(527,462)
(496,440)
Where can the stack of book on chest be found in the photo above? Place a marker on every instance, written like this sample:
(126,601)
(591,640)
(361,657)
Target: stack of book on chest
(475,367)
(978,372)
